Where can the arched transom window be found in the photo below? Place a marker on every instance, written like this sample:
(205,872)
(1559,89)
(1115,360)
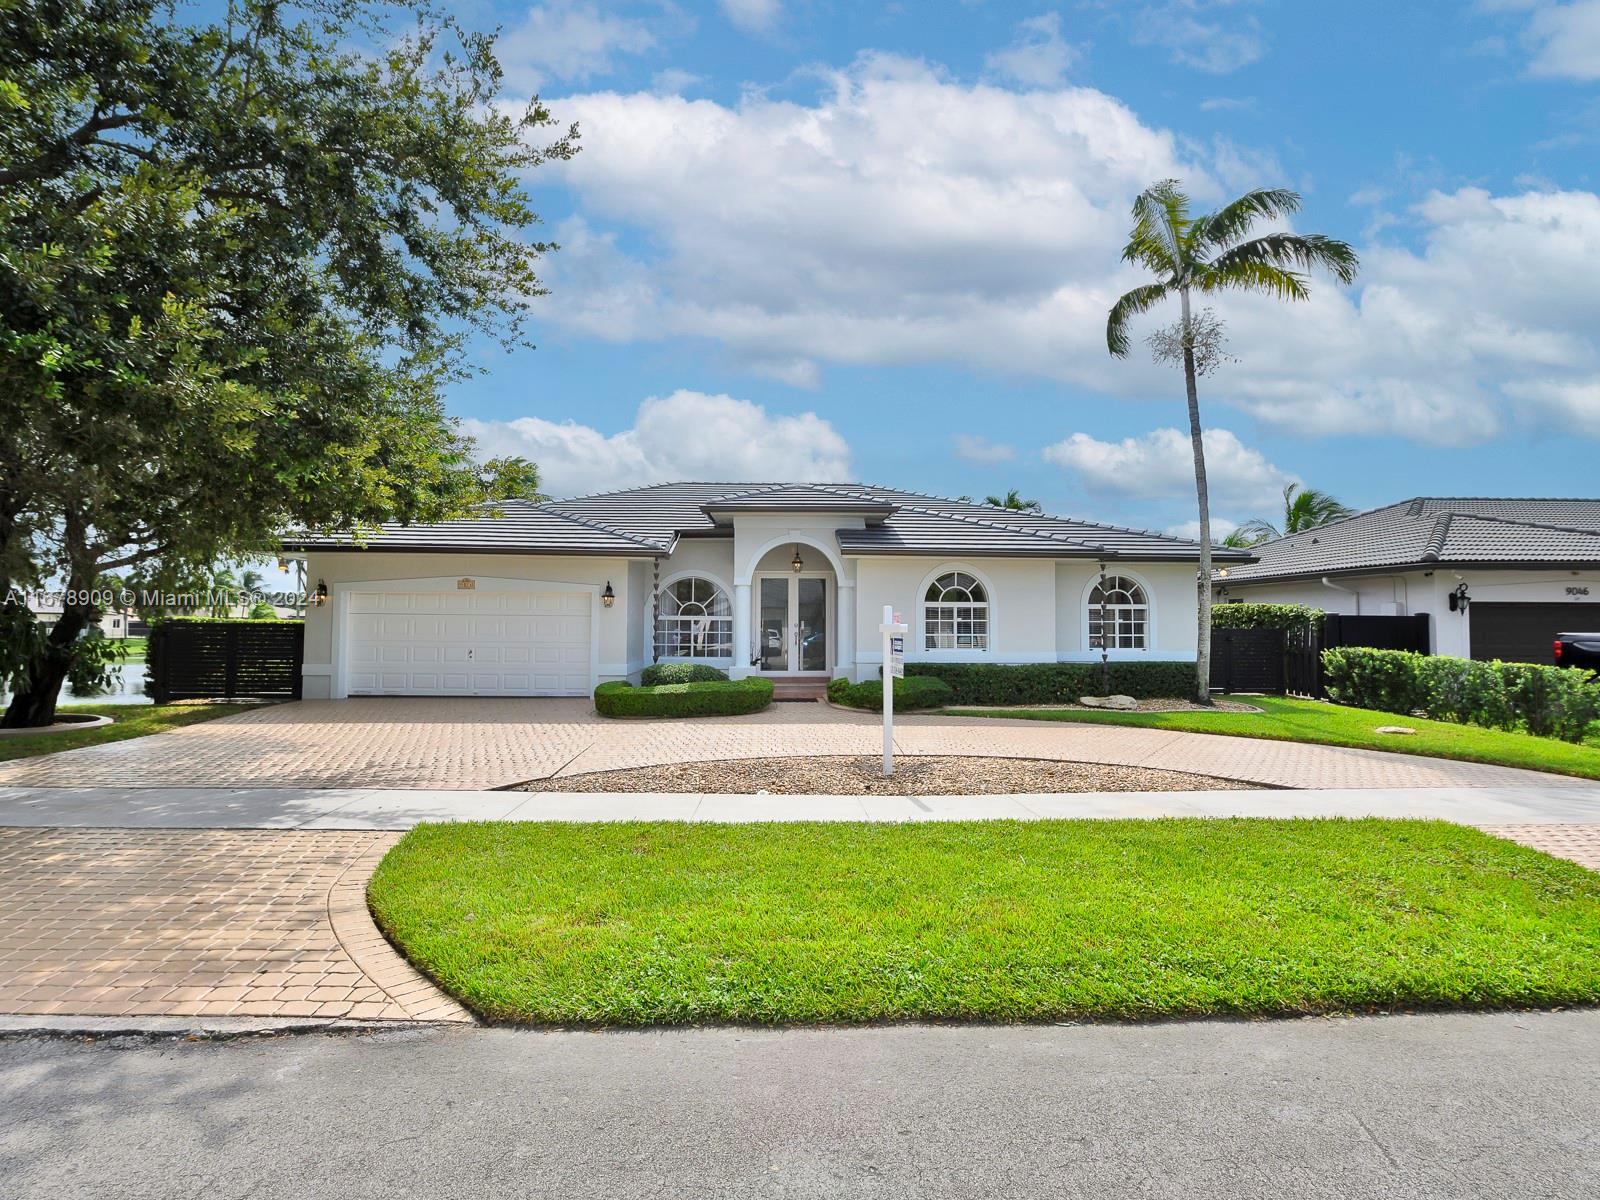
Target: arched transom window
(695,620)
(955,613)
(1119,615)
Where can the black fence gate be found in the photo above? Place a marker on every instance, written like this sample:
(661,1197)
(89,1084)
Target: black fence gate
(1240,658)
(1247,660)
(204,660)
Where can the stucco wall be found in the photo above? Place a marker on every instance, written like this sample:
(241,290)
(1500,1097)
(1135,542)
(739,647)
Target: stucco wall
(346,571)
(1169,587)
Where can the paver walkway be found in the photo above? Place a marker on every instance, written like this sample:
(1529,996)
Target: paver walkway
(206,923)
(479,744)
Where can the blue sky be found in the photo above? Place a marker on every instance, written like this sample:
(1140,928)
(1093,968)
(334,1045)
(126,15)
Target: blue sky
(813,240)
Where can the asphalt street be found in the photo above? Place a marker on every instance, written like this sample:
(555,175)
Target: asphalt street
(1500,1105)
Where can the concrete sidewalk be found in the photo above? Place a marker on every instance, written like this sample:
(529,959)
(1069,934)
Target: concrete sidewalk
(398,809)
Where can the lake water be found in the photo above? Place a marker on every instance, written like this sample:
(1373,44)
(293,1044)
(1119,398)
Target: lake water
(127,687)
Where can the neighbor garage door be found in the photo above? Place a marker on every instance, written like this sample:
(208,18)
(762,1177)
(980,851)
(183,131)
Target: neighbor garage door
(1524,632)
(469,644)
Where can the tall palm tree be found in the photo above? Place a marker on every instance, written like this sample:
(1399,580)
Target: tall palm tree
(1212,253)
(1013,500)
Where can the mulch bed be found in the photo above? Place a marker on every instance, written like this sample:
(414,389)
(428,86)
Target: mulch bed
(914,775)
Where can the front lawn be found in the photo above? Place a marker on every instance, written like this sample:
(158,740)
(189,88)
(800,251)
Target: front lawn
(132,720)
(676,923)
(1335,725)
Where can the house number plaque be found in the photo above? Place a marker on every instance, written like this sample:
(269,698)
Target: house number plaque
(1577,591)
(466,585)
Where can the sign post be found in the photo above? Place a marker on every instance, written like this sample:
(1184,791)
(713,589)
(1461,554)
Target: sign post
(894,667)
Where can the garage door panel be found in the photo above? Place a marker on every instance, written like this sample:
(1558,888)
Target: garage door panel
(1525,632)
(467,643)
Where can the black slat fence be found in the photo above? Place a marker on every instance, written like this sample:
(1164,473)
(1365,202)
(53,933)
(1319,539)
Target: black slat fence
(204,660)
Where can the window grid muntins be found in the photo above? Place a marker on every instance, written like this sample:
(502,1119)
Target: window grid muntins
(1126,623)
(955,614)
(695,620)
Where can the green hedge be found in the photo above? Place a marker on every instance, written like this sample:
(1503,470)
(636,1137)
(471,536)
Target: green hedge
(1288,617)
(914,691)
(711,698)
(996,684)
(1548,701)
(660,673)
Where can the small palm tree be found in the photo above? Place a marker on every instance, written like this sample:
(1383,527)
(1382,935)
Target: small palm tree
(1303,509)
(1212,253)
(1013,500)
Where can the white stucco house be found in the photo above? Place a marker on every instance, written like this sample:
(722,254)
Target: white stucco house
(787,580)
(1496,577)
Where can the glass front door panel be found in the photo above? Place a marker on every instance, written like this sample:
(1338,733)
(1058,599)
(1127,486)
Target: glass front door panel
(772,625)
(812,617)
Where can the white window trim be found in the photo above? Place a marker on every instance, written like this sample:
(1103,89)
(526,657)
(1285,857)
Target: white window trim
(955,655)
(650,621)
(1150,639)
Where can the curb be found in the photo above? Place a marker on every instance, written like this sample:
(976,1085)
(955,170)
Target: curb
(14,1028)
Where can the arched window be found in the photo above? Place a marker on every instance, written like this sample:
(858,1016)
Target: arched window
(695,620)
(955,613)
(1119,615)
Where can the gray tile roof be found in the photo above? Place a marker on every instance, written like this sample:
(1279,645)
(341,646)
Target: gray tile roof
(1430,530)
(649,520)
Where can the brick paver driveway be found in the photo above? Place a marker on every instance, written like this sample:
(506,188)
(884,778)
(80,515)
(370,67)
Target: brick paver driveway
(477,744)
(208,923)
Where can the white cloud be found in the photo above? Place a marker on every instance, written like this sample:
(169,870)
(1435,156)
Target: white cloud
(1571,404)
(674,81)
(1227,103)
(883,223)
(687,435)
(569,41)
(1194,37)
(1564,40)
(753,16)
(1159,465)
(1221,527)
(974,447)
(1039,57)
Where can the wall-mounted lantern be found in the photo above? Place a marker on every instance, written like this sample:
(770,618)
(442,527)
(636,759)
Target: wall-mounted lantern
(797,564)
(608,597)
(1459,598)
(320,596)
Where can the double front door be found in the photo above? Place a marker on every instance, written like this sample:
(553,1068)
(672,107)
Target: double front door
(791,614)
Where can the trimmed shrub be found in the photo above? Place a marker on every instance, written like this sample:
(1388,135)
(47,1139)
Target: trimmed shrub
(1290,618)
(709,698)
(999,684)
(914,691)
(659,673)
(1547,701)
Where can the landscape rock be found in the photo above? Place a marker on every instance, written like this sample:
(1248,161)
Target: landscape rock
(1395,729)
(1121,703)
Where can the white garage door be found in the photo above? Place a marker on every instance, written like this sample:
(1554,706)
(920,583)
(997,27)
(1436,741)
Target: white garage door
(469,644)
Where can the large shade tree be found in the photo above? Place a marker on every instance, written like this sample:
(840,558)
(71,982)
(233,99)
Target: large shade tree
(1202,254)
(241,256)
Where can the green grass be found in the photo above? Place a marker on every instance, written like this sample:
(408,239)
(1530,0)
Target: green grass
(1334,725)
(132,720)
(137,647)
(673,923)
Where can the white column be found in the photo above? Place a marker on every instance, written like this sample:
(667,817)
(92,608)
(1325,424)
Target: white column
(844,638)
(741,631)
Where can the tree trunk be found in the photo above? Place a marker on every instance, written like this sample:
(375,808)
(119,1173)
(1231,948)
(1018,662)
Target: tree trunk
(1203,497)
(35,702)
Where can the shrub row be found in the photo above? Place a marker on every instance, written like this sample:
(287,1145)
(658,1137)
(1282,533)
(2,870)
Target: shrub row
(1548,701)
(709,698)
(1288,617)
(914,691)
(1056,683)
(659,673)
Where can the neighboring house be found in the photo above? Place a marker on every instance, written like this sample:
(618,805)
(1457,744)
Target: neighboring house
(773,579)
(1498,578)
(46,609)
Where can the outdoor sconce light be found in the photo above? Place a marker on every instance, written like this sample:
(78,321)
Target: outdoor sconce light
(797,564)
(608,597)
(320,596)
(1459,598)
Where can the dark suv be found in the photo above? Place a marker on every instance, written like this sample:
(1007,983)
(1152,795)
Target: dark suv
(1578,650)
